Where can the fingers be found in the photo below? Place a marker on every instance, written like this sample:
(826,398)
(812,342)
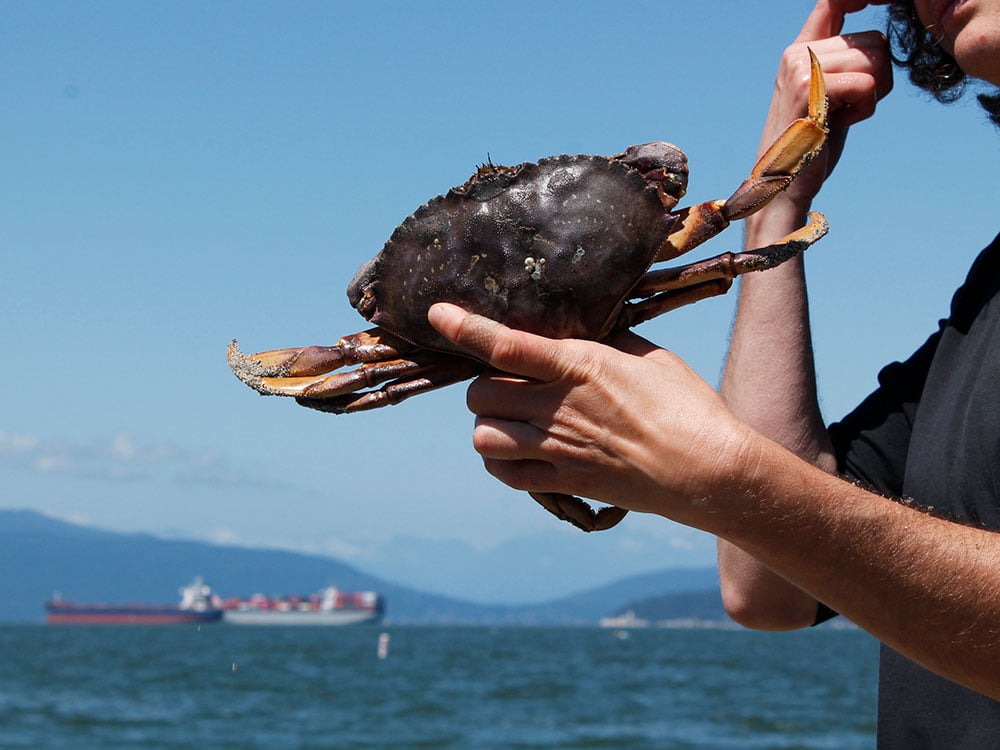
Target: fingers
(513,452)
(496,396)
(826,20)
(858,99)
(864,53)
(827,17)
(530,476)
(507,440)
(857,69)
(501,347)
(523,472)
(860,75)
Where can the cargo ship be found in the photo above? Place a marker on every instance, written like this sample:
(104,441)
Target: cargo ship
(327,607)
(198,605)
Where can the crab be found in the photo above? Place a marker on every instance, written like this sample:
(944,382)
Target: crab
(561,247)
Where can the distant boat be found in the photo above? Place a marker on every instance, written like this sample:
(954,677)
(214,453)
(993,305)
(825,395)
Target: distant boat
(198,604)
(327,607)
(624,620)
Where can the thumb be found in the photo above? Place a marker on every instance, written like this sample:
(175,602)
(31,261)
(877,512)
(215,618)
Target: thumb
(514,352)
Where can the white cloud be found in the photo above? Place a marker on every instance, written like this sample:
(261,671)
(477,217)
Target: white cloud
(120,457)
(14,444)
(77,519)
(123,447)
(344,550)
(226,537)
(50,464)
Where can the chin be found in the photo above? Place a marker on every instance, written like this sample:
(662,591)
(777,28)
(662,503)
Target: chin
(979,60)
(976,41)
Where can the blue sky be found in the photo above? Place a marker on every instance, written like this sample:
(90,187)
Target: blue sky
(177,174)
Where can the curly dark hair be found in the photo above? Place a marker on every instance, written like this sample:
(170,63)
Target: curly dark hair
(929,66)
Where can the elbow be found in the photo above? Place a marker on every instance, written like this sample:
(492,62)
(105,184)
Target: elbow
(767,612)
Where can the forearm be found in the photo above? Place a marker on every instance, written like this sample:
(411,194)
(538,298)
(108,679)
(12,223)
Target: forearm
(926,587)
(769,382)
(756,597)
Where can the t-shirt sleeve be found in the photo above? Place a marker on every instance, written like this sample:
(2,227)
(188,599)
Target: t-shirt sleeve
(872,441)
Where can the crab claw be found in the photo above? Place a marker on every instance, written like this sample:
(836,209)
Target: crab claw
(283,363)
(575,511)
(283,371)
(297,371)
(774,171)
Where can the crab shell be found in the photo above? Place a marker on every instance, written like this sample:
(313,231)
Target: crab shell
(553,247)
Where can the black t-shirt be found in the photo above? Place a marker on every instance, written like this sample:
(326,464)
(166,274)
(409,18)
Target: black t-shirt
(930,434)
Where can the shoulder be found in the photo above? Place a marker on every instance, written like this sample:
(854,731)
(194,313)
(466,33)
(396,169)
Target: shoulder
(981,285)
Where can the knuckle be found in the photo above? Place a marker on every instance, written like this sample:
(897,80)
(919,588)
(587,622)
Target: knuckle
(796,58)
(795,70)
(506,350)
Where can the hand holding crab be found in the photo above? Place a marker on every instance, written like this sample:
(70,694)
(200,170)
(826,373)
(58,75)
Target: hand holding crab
(630,424)
(560,248)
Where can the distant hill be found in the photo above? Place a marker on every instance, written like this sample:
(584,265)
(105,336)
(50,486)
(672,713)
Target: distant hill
(40,555)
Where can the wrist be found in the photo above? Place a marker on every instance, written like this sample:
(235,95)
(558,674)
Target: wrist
(778,218)
(727,492)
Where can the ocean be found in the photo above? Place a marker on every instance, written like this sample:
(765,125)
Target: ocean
(218,686)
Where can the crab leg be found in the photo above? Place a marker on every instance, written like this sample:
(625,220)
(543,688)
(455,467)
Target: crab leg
(575,511)
(299,372)
(446,371)
(670,288)
(773,172)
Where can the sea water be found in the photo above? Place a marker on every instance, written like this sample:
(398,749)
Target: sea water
(219,686)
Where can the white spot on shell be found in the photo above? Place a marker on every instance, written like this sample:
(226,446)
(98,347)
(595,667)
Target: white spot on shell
(534,267)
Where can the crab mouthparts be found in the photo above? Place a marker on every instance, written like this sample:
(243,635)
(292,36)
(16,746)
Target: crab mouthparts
(366,304)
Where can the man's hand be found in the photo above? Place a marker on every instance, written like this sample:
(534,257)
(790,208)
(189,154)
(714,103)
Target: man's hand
(858,73)
(628,424)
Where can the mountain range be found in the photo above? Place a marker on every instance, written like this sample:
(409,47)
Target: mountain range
(40,555)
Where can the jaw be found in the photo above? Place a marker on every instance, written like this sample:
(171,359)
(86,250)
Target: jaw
(972,37)
(968,30)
